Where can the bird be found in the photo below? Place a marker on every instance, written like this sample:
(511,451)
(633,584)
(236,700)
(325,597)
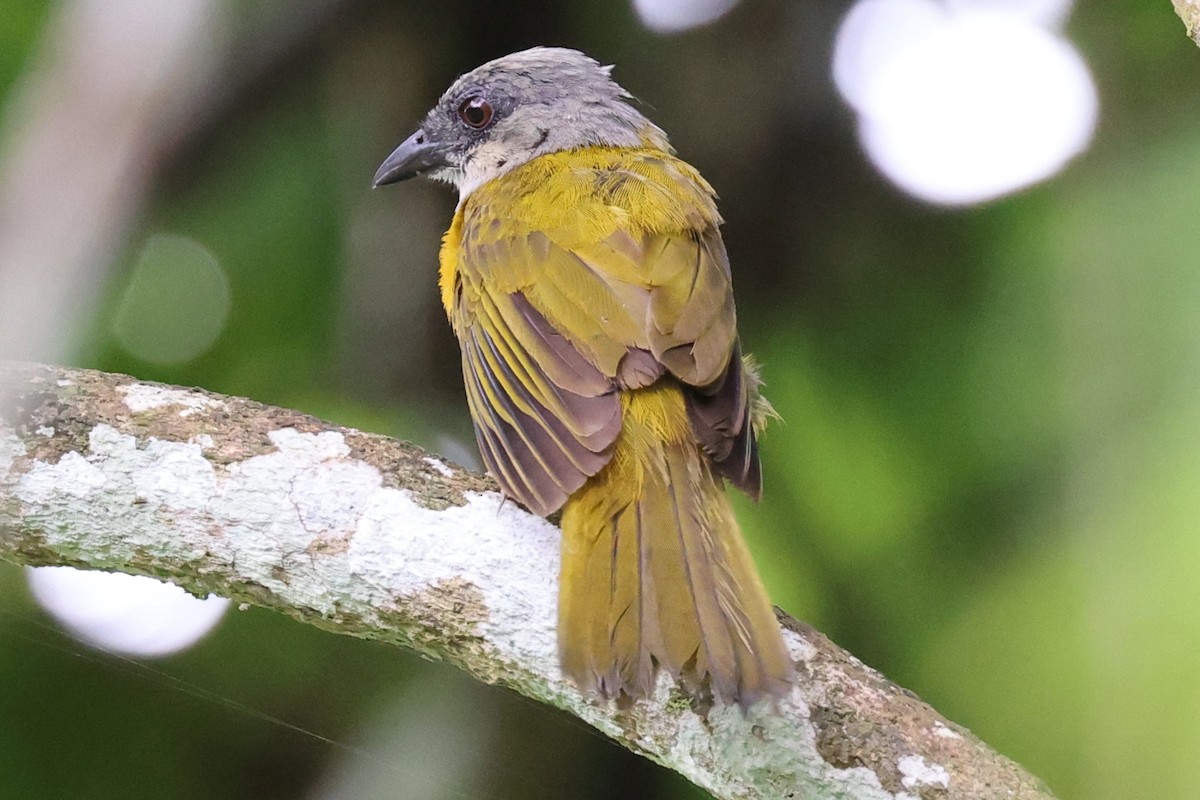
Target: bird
(586,280)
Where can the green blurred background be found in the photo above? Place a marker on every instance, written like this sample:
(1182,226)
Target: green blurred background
(987,484)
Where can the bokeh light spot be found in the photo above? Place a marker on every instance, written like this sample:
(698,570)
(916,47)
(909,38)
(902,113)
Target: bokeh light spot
(175,303)
(128,614)
(963,103)
(1047,13)
(673,16)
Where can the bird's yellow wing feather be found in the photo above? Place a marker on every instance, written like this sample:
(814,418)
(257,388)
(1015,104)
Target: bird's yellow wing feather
(578,275)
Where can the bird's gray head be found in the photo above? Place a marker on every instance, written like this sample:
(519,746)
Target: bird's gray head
(516,108)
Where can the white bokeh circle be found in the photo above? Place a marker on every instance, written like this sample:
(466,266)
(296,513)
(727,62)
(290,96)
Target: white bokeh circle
(673,16)
(127,614)
(963,104)
(1047,13)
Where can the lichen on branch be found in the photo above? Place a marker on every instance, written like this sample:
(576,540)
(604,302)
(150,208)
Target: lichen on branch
(367,536)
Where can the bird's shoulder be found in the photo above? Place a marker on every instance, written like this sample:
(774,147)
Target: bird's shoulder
(585,195)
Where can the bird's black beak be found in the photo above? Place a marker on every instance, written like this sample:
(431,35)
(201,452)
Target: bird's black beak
(416,154)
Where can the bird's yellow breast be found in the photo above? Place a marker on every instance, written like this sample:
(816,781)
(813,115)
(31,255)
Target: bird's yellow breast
(577,198)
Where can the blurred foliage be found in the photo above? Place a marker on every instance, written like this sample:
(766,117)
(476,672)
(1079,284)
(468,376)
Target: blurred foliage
(23,22)
(986,479)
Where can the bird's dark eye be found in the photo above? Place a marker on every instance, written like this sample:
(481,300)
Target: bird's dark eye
(475,112)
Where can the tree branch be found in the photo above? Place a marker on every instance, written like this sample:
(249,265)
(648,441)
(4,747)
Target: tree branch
(1189,12)
(364,535)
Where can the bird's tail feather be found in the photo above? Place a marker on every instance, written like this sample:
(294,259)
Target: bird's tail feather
(655,572)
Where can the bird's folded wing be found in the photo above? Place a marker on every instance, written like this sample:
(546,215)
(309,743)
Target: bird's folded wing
(544,417)
(556,318)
